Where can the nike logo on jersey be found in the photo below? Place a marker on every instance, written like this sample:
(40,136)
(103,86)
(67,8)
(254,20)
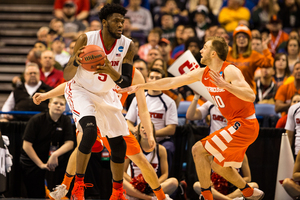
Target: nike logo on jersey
(206,79)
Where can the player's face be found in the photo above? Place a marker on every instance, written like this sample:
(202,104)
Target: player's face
(57,106)
(205,53)
(115,25)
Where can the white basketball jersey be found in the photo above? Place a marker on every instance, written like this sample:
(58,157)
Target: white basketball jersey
(135,170)
(293,124)
(217,121)
(98,83)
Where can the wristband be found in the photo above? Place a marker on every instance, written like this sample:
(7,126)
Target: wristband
(120,80)
(75,63)
(196,97)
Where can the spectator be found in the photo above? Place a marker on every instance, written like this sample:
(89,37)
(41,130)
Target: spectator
(152,55)
(127,27)
(256,44)
(72,26)
(255,33)
(213,6)
(20,98)
(291,185)
(50,37)
(165,49)
(221,32)
(292,35)
(285,92)
(194,45)
(221,189)
(136,43)
(71,47)
(48,73)
(141,19)
(82,8)
(61,56)
(57,25)
(230,16)
(178,36)
(217,121)
(158,159)
(167,26)
(281,69)
(162,65)
(42,33)
(266,86)
(153,39)
(199,21)
(282,121)
(95,25)
(262,12)
(40,46)
(47,137)
(163,113)
(246,59)
(293,49)
(278,35)
(171,6)
(187,32)
(289,14)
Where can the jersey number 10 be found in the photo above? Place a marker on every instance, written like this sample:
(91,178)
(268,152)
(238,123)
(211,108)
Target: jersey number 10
(219,101)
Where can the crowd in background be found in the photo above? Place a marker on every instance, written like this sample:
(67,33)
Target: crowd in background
(263,36)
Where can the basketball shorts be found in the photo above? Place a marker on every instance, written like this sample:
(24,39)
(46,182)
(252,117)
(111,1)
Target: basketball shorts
(106,107)
(229,145)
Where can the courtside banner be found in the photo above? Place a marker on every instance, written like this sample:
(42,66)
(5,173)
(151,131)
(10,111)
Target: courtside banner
(184,64)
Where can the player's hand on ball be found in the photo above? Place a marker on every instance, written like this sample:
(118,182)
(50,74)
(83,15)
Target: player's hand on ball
(77,58)
(106,68)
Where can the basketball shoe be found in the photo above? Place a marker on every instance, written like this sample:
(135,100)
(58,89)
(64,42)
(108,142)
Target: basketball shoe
(119,194)
(78,190)
(59,192)
(257,195)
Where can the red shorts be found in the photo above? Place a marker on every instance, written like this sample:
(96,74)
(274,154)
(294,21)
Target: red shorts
(228,145)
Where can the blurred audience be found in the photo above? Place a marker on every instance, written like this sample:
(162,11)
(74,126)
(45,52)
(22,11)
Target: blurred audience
(82,8)
(153,39)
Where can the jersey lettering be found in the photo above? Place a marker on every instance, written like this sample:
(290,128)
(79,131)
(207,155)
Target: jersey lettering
(187,64)
(219,101)
(102,77)
(156,115)
(219,118)
(236,125)
(114,63)
(297,120)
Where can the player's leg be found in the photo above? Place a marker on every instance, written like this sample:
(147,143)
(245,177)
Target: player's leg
(216,194)
(118,151)
(291,187)
(170,185)
(238,193)
(202,161)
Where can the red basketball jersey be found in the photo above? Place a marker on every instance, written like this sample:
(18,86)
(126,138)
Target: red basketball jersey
(229,105)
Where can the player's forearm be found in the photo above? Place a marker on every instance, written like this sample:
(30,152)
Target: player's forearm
(162,84)
(67,146)
(58,91)
(70,70)
(31,153)
(244,93)
(296,176)
(146,121)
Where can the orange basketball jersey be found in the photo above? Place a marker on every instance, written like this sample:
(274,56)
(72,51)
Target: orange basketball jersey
(229,105)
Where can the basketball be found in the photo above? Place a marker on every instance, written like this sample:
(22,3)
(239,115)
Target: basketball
(92,57)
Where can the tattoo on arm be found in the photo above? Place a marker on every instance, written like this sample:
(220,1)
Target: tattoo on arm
(130,54)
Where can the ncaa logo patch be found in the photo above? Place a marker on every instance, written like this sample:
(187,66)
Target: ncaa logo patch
(121,48)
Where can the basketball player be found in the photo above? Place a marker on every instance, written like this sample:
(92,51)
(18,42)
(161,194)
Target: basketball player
(133,148)
(92,100)
(234,98)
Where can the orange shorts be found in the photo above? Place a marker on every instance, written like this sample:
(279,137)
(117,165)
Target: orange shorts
(228,145)
(133,146)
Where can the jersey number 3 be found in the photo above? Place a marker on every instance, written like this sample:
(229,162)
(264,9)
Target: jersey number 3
(219,101)
(102,77)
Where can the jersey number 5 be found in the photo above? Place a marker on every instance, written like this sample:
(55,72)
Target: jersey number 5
(219,101)
(102,77)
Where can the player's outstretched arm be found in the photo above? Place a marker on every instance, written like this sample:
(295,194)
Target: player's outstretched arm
(39,97)
(234,83)
(166,83)
(74,61)
(143,111)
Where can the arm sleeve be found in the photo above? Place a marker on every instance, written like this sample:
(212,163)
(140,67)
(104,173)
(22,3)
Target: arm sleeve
(132,111)
(126,76)
(171,114)
(290,123)
(9,103)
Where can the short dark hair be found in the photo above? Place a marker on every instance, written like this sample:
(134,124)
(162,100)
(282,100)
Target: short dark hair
(110,9)
(220,46)
(157,70)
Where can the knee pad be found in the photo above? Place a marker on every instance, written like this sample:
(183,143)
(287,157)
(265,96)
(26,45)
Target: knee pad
(118,149)
(89,128)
